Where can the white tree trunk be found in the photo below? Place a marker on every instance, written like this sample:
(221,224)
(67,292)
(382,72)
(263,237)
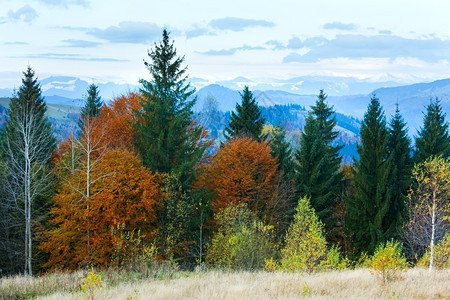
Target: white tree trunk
(433,228)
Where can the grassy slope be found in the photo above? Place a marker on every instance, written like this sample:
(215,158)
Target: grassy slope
(56,111)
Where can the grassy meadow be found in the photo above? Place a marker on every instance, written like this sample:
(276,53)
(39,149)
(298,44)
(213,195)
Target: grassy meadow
(415,283)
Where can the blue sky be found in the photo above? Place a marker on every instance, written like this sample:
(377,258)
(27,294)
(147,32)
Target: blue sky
(107,40)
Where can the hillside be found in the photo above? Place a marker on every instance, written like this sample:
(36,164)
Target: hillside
(412,100)
(62,117)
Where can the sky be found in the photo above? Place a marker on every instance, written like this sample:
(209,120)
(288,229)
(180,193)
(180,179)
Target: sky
(107,40)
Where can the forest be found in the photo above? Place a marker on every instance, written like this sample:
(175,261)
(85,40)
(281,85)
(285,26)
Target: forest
(143,187)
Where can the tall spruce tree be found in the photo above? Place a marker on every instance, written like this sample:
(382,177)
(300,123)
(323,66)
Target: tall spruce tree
(318,162)
(247,120)
(433,138)
(399,149)
(166,138)
(91,106)
(367,213)
(170,143)
(27,144)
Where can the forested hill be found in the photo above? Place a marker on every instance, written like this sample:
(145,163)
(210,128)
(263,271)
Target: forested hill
(291,117)
(411,99)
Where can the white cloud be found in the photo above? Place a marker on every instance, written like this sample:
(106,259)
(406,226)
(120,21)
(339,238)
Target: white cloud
(26,14)
(128,32)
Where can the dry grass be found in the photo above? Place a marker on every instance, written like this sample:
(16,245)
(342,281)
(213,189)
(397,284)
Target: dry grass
(350,284)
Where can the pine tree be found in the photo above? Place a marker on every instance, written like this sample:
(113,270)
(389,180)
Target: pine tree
(367,213)
(27,143)
(247,120)
(166,138)
(282,150)
(433,138)
(92,105)
(311,159)
(399,148)
(318,162)
(170,143)
(325,115)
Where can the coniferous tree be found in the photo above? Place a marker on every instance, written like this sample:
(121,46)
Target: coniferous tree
(282,150)
(27,144)
(325,115)
(367,213)
(399,148)
(433,138)
(171,143)
(166,138)
(311,158)
(92,105)
(318,162)
(247,120)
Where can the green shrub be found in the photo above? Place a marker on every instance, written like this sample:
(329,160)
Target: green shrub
(334,260)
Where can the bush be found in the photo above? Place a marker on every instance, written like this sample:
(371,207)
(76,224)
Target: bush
(242,241)
(334,261)
(441,255)
(388,261)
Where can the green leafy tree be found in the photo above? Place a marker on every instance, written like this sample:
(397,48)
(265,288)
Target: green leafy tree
(166,137)
(92,105)
(247,120)
(433,138)
(242,241)
(305,247)
(27,144)
(368,220)
(399,148)
(318,162)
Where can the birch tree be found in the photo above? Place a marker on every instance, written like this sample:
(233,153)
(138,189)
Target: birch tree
(429,206)
(27,142)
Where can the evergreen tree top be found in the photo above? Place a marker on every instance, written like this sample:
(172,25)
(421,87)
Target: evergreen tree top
(29,95)
(165,67)
(398,126)
(326,118)
(93,103)
(166,137)
(375,114)
(433,138)
(247,120)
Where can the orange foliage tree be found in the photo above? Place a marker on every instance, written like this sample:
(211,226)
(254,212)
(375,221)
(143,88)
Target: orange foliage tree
(116,120)
(121,193)
(244,171)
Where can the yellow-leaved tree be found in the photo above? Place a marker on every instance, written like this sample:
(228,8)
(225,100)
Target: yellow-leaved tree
(242,241)
(429,207)
(306,247)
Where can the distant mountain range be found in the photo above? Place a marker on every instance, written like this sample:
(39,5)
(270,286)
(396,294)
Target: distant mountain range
(411,99)
(285,102)
(71,90)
